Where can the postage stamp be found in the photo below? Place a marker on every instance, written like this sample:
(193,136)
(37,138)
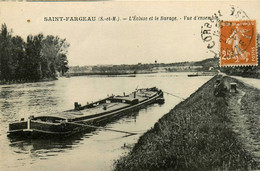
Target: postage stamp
(238,43)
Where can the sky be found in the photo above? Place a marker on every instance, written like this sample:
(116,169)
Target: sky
(124,42)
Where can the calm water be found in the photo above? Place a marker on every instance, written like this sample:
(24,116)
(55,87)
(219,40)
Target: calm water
(93,151)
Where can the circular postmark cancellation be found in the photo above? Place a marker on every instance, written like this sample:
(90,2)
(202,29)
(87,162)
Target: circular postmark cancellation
(231,36)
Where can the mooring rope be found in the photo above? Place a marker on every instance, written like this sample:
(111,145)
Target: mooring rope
(174,95)
(97,127)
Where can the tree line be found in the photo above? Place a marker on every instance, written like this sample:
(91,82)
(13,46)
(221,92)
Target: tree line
(38,58)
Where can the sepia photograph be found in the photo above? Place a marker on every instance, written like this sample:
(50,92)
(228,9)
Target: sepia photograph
(129,85)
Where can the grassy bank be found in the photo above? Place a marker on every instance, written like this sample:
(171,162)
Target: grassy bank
(198,134)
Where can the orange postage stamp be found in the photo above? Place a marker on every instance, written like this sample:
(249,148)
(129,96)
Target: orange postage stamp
(238,43)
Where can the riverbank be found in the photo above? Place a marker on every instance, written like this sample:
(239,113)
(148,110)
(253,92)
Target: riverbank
(106,73)
(203,132)
(131,74)
(2,82)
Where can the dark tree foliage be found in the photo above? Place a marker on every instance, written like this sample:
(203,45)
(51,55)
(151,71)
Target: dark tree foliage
(40,57)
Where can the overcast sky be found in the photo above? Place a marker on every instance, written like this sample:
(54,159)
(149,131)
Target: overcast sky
(123,42)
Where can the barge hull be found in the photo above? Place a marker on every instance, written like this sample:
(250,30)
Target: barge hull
(41,127)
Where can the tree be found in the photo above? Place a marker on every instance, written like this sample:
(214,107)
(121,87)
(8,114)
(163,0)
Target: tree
(18,51)
(32,64)
(38,58)
(5,54)
(54,54)
(62,64)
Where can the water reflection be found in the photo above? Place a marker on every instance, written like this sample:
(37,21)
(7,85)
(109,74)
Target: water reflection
(45,148)
(85,151)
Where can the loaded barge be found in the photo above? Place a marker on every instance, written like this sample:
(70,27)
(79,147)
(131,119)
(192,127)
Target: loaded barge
(84,118)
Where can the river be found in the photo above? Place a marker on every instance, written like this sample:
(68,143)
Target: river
(91,151)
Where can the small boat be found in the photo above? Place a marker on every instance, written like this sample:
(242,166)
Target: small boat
(85,118)
(193,75)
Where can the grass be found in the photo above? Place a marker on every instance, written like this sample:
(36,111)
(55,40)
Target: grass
(196,135)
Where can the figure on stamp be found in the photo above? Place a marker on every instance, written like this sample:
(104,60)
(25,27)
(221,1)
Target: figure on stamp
(234,39)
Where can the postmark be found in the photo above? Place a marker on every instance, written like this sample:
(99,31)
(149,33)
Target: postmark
(238,43)
(220,26)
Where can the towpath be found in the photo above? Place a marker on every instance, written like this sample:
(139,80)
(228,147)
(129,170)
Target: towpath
(246,117)
(251,81)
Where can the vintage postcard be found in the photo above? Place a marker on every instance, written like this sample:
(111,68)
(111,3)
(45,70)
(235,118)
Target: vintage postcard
(130,85)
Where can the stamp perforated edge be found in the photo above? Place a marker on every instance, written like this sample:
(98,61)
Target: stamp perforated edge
(241,65)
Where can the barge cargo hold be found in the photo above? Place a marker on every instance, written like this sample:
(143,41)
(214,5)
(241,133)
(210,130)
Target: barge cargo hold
(85,118)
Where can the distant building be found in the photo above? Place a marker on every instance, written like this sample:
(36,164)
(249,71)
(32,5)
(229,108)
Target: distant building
(176,68)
